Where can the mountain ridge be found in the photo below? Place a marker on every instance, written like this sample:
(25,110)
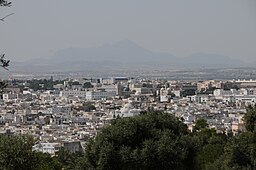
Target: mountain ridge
(125,54)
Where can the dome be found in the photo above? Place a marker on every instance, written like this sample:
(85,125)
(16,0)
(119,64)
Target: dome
(138,93)
(127,107)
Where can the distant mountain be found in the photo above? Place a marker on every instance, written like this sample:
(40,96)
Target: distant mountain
(123,55)
(124,51)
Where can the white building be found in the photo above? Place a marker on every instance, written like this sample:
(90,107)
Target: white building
(127,111)
(99,95)
(9,96)
(46,148)
(221,92)
(247,100)
(198,98)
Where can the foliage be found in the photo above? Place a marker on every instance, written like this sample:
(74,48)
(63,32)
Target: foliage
(44,161)
(240,153)
(148,141)
(160,141)
(200,124)
(68,160)
(3,62)
(3,85)
(208,147)
(42,84)
(5,3)
(250,119)
(89,107)
(16,153)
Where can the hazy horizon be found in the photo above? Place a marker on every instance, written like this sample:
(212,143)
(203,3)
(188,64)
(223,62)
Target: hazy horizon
(178,27)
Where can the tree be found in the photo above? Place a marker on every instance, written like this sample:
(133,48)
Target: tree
(5,3)
(200,124)
(218,151)
(88,106)
(239,153)
(4,63)
(44,161)
(250,119)
(16,153)
(210,149)
(205,147)
(68,160)
(148,141)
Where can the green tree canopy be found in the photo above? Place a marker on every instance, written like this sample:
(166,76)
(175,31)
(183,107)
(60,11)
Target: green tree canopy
(200,124)
(250,119)
(148,141)
(239,153)
(16,153)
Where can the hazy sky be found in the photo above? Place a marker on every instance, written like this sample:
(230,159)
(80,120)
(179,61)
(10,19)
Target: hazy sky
(180,27)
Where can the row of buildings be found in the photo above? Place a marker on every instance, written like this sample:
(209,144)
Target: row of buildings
(73,111)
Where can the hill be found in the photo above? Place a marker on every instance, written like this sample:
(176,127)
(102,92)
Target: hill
(123,55)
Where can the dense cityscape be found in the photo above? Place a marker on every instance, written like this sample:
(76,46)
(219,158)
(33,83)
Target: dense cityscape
(121,85)
(67,114)
(73,110)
